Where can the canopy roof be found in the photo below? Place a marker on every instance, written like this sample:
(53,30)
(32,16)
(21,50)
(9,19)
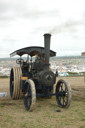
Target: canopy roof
(32,51)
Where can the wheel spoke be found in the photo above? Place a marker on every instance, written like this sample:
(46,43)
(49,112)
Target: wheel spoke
(61,86)
(64,101)
(60,98)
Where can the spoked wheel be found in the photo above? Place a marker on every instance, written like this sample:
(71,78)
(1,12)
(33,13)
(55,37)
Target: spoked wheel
(63,94)
(29,95)
(15,76)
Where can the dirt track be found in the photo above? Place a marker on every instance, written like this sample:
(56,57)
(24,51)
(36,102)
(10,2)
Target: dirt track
(77,83)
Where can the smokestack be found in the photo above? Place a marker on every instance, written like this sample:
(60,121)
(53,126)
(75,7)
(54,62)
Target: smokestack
(47,46)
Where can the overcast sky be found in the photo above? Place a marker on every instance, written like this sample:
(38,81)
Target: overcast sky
(24,22)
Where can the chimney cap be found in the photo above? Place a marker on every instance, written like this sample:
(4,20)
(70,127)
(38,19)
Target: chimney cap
(47,34)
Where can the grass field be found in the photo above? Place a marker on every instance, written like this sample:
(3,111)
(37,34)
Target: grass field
(45,115)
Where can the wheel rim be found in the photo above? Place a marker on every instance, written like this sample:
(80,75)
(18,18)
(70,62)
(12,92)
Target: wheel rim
(62,94)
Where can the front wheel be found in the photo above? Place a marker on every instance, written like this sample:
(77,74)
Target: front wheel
(63,94)
(29,95)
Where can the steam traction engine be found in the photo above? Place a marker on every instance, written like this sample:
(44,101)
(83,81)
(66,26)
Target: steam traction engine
(34,78)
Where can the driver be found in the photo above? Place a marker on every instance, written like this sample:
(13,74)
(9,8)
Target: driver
(37,58)
(38,64)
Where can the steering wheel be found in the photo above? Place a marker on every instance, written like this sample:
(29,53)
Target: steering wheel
(19,61)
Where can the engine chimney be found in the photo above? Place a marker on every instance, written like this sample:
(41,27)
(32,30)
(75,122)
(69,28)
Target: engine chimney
(47,47)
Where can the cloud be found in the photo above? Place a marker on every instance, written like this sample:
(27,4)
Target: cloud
(12,10)
(26,21)
(9,9)
(10,40)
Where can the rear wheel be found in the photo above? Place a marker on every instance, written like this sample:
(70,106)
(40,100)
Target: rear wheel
(29,95)
(15,79)
(63,94)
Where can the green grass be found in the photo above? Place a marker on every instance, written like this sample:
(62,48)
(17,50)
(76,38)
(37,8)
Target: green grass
(3,77)
(45,115)
(1,106)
